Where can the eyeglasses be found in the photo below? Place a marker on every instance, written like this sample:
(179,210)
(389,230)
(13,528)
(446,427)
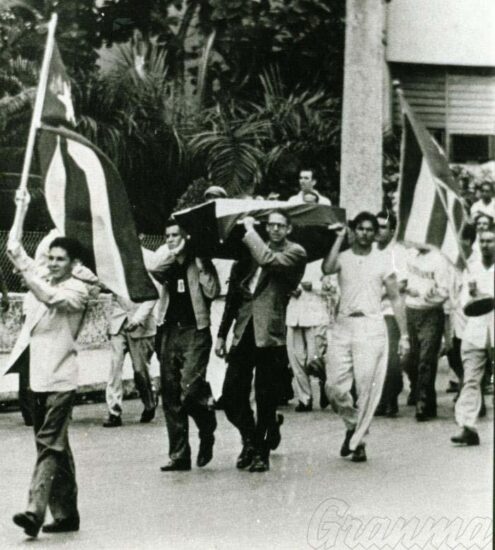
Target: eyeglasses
(272,225)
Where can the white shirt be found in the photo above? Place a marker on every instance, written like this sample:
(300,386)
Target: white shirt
(399,256)
(310,308)
(426,271)
(479,207)
(299,198)
(479,330)
(361,280)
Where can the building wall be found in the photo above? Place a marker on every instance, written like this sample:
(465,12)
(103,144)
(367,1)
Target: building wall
(441,32)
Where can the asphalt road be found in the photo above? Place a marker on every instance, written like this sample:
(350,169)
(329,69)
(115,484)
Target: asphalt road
(415,484)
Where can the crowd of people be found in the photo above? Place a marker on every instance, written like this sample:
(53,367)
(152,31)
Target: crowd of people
(369,310)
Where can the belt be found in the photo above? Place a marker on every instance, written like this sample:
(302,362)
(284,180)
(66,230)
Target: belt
(179,324)
(357,314)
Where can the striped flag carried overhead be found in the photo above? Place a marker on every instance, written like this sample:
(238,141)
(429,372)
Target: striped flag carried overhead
(87,200)
(85,195)
(430,207)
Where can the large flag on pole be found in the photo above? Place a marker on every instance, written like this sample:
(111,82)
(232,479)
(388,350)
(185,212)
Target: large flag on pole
(430,208)
(85,195)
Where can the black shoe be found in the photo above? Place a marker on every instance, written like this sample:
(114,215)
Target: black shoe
(345,449)
(392,411)
(301,407)
(359,454)
(205,453)
(324,401)
(113,421)
(64,525)
(177,466)
(482,412)
(274,436)
(218,404)
(411,400)
(147,415)
(466,437)
(246,457)
(381,410)
(28,521)
(28,421)
(260,464)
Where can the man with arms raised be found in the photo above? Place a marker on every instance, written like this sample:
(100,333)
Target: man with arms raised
(357,348)
(275,270)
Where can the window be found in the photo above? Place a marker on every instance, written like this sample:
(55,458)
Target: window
(471,148)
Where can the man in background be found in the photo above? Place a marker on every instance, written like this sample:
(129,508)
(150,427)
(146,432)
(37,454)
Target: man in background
(307,184)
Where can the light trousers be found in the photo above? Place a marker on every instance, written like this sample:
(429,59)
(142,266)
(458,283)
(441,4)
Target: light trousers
(357,351)
(140,350)
(468,405)
(304,346)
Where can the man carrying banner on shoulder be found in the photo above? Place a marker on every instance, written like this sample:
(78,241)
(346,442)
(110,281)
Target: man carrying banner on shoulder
(190,284)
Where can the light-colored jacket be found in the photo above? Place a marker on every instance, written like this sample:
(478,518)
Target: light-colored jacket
(310,308)
(124,310)
(204,285)
(50,331)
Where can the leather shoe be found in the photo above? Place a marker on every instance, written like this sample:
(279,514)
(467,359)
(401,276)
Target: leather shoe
(205,453)
(345,449)
(466,437)
(301,407)
(392,411)
(359,454)
(259,464)
(274,436)
(246,457)
(411,400)
(113,421)
(64,525)
(147,415)
(177,466)
(28,521)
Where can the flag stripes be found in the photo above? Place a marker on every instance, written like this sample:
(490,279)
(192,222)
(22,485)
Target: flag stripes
(430,207)
(87,200)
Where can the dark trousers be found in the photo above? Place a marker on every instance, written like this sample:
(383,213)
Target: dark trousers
(425,329)
(393,379)
(25,395)
(455,361)
(270,364)
(184,355)
(54,479)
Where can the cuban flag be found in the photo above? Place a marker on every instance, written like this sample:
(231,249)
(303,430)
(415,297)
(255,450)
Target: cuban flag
(85,195)
(430,207)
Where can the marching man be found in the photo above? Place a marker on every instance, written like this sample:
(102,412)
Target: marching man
(357,349)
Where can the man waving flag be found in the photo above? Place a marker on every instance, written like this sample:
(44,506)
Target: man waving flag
(83,190)
(430,207)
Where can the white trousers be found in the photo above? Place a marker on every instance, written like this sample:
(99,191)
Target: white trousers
(357,351)
(304,345)
(140,350)
(468,404)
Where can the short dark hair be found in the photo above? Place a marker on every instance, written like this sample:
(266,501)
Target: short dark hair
(282,213)
(71,246)
(469,233)
(389,217)
(311,169)
(365,217)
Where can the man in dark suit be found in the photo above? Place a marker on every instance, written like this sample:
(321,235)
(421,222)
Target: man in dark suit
(264,285)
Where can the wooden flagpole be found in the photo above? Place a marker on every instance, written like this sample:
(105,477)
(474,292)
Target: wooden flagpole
(22,196)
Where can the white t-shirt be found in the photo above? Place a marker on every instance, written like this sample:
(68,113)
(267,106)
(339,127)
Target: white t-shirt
(361,281)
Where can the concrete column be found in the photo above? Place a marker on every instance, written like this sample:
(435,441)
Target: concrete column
(361,157)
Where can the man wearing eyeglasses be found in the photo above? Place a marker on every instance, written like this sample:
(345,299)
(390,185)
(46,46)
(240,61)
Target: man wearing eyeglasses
(275,270)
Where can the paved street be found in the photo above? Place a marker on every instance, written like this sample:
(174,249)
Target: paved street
(127,503)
